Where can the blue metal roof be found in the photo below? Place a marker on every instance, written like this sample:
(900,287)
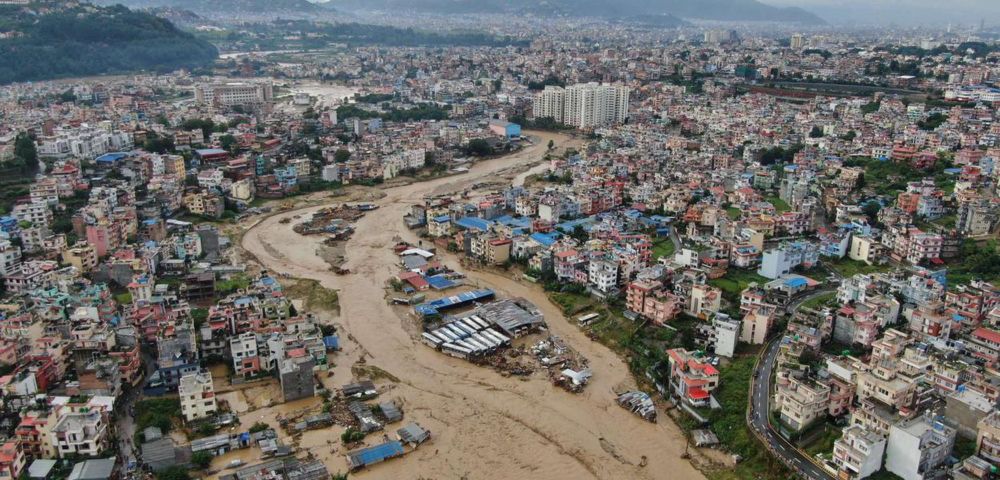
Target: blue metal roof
(439,282)
(568,226)
(111,157)
(378,453)
(441,219)
(435,306)
(473,223)
(332,342)
(545,239)
(523,222)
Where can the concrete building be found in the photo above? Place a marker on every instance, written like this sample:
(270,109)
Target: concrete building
(781,260)
(988,437)
(80,433)
(650,300)
(918,446)
(585,105)
(691,379)
(12,460)
(244,352)
(231,94)
(757,323)
(727,331)
(603,275)
(296,376)
(801,401)
(82,256)
(197,396)
(866,249)
(858,453)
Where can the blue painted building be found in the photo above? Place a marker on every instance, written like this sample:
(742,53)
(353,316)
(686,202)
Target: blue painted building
(505,129)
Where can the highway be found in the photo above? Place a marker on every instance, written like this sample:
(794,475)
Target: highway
(760,408)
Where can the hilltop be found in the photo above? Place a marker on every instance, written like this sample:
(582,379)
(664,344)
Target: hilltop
(82,40)
(244,9)
(726,10)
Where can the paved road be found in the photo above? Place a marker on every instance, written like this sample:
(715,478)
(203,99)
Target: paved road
(759,411)
(760,405)
(797,302)
(675,238)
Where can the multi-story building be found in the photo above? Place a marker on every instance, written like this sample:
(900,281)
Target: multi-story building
(858,453)
(583,105)
(296,376)
(781,260)
(703,300)
(33,433)
(10,256)
(197,395)
(79,433)
(243,349)
(691,379)
(918,446)
(603,275)
(801,402)
(648,299)
(82,256)
(231,94)
(988,437)
(726,332)
(757,323)
(12,460)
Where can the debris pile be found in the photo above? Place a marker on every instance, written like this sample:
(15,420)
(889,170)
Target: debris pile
(333,220)
(508,362)
(567,368)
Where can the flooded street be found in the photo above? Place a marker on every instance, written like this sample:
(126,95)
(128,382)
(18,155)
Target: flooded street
(484,425)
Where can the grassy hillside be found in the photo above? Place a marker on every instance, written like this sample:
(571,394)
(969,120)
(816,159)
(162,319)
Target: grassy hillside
(91,40)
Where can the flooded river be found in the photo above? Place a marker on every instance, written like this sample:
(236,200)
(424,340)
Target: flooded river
(484,425)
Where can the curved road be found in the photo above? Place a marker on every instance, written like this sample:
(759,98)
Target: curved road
(760,407)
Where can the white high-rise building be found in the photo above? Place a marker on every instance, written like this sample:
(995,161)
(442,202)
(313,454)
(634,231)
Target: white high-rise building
(798,41)
(583,105)
(229,94)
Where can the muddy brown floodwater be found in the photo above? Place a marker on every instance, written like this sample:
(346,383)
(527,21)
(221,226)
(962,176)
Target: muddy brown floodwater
(484,425)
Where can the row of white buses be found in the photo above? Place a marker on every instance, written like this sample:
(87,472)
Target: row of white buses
(466,338)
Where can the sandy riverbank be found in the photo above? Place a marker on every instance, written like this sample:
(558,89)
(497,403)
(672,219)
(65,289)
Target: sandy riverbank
(485,426)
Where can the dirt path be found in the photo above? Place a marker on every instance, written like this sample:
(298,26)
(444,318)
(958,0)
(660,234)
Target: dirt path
(485,426)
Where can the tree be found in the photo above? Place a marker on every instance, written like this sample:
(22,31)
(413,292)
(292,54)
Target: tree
(352,436)
(871,209)
(199,315)
(259,427)
(173,473)
(479,147)
(202,459)
(228,143)
(207,126)
(24,148)
(157,144)
(552,144)
(342,155)
(816,132)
